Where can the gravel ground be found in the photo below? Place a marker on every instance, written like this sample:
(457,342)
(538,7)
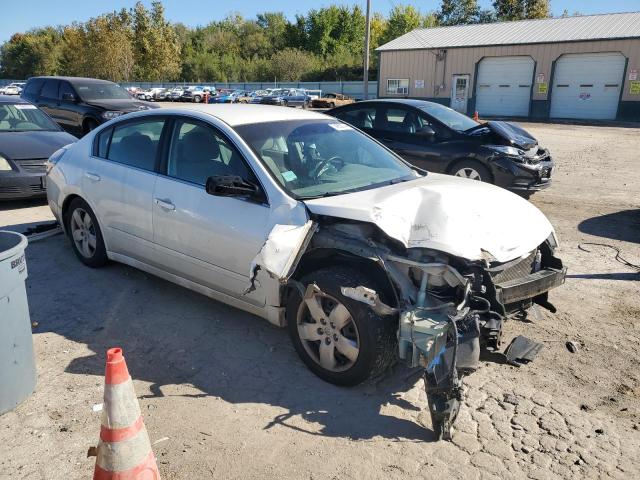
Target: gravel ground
(224,395)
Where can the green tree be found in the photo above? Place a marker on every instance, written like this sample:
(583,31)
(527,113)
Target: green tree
(36,52)
(458,12)
(402,19)
(290,64)
(537,9)
(510,9)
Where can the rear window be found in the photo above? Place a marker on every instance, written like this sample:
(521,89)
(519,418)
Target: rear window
(33,86)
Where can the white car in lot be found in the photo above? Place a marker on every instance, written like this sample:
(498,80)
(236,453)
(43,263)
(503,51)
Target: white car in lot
(307,222)
(14,88)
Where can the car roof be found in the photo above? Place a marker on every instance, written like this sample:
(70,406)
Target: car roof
(13,100)
(414,102)
(73,79)
(243,114)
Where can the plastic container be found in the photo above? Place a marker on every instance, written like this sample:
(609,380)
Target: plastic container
(17,364)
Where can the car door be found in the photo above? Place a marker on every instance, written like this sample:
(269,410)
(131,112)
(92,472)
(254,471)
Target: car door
(206,239)
(48,98)
(119,181)
(66,110)
(400,128)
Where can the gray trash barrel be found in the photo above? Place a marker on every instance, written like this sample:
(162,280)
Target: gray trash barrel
(17,365)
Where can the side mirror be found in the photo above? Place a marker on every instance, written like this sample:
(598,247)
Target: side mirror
(70,97)
(426,132)
(231,186)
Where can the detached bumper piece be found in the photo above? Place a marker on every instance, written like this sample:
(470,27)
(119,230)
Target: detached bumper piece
(530,286)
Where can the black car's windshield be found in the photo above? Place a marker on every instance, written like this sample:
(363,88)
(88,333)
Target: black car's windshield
(312,158)
(24,117)
(100,91)
(449,117)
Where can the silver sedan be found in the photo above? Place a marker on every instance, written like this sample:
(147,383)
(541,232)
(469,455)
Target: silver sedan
(304,220)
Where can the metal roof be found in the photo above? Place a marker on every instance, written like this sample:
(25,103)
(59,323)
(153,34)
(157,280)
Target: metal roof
(548,30)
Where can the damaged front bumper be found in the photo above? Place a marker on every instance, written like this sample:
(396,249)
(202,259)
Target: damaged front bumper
(445,338)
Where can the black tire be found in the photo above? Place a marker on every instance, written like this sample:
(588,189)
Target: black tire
(472,165)
(89,125)
(99,256)
(197,99)
(376,335)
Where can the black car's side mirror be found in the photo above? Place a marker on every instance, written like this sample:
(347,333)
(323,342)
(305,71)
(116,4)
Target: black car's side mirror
(231,186)
(70,97)
(426,132)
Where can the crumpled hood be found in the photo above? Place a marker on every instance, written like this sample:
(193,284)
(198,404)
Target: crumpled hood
(461,217)
(122,105)
(513,133)
(28,145)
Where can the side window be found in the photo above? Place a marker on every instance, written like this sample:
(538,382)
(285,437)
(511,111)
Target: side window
(50,89)
(33,86)
(198,152)
(101,143)
(361,118)
(136,144)
(65,88)
(399,120)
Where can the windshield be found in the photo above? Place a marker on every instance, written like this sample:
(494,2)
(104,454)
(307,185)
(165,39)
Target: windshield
(100,91)
(449,117)
(23,117)
(312,158)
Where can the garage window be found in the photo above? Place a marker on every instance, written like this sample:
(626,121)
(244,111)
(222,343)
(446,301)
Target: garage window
(398,86)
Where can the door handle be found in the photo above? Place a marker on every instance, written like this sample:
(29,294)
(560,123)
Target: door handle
(166,204)
(92,176)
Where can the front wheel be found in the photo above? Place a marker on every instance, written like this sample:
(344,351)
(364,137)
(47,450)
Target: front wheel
(197,99)
(340,339)
(471,170)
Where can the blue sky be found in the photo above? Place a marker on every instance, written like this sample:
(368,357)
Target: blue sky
(21,15)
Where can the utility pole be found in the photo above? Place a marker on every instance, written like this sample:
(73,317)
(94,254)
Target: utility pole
(367,35)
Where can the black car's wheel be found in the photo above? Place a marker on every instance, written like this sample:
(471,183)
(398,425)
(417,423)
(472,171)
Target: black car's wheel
(472,170)
(85,234)
(340,339)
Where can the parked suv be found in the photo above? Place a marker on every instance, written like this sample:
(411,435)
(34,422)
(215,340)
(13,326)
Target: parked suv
(439,139)
(81,104)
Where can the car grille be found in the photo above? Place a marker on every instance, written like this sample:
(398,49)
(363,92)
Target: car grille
(35,165)
(10,189)
(520,270)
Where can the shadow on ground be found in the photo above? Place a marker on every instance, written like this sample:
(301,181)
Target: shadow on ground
(623,225)
(171,336)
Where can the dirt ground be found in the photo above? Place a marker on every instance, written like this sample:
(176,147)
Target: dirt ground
(225,396)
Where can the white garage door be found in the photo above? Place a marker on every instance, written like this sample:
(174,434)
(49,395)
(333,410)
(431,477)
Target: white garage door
(587,85)
(504,86)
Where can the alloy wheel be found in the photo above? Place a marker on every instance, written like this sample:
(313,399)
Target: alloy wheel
(328,332)
(468,172)
(83,232)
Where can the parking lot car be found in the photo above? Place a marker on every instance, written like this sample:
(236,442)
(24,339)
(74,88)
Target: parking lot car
(81,104)
(196,94)
(175,95)
(14,88)
(439,139)
(331,100)
(304,220)
(285,97)
(228,96)
(27,138)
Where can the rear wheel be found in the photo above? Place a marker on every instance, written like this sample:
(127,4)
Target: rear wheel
(340,339)
(197,99)
(471,170)
(85,234)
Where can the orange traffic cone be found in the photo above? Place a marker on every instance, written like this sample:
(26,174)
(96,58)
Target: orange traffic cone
(124,450)
(475,116)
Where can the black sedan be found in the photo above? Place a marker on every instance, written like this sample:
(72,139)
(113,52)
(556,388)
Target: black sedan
(439,139)
(28,137)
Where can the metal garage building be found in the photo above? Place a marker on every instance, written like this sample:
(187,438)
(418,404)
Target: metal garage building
(583,67)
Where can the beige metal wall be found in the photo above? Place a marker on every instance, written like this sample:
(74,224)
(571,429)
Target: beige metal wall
(423,64)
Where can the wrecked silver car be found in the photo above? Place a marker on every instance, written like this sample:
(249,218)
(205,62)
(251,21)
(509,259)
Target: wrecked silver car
(311,224)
